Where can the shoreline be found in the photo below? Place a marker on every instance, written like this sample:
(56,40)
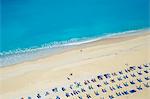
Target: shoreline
(84,61)
(47,51)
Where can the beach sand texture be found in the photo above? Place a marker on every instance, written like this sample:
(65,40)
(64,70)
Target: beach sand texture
(82,63)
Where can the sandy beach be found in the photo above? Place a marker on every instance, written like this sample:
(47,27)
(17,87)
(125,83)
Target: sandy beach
(78,64)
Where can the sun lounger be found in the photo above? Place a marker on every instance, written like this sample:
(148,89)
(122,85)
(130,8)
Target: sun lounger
(93,80)
(75,92)
(146,71)
(78,85)
(145,65)
(133,75)
(71,86)
(83,90)
(67,95)
(140,67)
(127,70)
(114,74)
(104,90)
(112,88)
(147,78)
(57,97)
(125,84)
(90,87)
(111,97)
(139,87)
(118,93)
(120,72)
(88,96)
(72,94)
(112,80)
(46,93)
(125,76)
(146,85)
(125,92)
(68,78)
(78,91)
(96,93)
(119,78)
(132,68)
(119,86)
(132,83)
(107,75)
(38,96)
(132,91)
(85,83)
(80,97)
(63,89)
(55,90)
(140,73)
(106,83)
(139,80)
(100,77)
(99,85)
(88,81)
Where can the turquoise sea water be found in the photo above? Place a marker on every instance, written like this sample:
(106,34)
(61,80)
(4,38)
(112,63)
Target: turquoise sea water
(29,24)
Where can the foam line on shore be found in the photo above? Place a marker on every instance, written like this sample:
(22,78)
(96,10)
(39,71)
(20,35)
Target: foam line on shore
(13,57)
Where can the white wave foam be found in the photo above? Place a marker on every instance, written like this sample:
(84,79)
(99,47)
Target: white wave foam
(12,57)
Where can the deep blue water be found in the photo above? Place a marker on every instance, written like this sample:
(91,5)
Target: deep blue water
(28,23)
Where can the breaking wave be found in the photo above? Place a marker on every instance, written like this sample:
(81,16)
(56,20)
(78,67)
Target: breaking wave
(20,55)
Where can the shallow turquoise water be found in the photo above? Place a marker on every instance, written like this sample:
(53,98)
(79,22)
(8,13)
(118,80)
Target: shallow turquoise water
(30,23)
